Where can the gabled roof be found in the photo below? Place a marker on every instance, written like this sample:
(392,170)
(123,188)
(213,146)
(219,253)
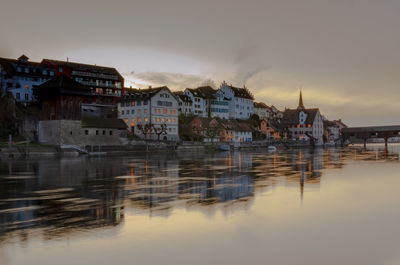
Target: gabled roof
(10,65)
(261,105)
(143,94)
(234,125)
(205,92)
(61,84)
(84,67)
(240,92)
(205,121)
(291,116)
(103,123)
(183,97)
(329,124)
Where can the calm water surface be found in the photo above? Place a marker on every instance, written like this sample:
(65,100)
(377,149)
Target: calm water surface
(332,206)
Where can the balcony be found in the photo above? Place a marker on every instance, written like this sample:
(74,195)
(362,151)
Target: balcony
(95,75)
(98,84)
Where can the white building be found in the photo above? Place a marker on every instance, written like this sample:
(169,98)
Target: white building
(153,107)
(262,110)
(20,76)
(241,104)
(208,102)
(185,103)
(302,123)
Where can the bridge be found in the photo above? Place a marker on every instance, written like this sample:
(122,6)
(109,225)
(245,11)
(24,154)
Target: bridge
(365,133)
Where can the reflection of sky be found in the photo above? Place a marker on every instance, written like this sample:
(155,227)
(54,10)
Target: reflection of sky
(347,215)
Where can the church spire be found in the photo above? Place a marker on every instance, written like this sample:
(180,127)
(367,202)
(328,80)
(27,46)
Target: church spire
(301,105)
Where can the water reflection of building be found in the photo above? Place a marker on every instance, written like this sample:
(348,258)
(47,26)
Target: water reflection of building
(59,195)
(158,181)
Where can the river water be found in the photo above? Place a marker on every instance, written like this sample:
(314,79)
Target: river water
(331,206)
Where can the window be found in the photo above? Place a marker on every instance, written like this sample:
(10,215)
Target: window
(19,69)
(139,103)
(138,111)
(17,96)
(26,96)
(104,132)
(164,111)
(110,132)
(86,132)
(132,103)
(60,69)
(145,111)
(127,112)
(26,70)
(122,112)
(44,72)
(51,73)
(97,132)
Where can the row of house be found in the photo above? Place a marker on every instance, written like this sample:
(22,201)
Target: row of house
(20,76)
(227,102)
(220,130)
(73,91)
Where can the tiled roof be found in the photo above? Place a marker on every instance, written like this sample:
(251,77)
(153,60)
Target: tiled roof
(234,125)
(182,96)
(143,94)
(241,92)
(205,92)
(291,116)
(84,67)
(261,105)
(10,65)
(61,84)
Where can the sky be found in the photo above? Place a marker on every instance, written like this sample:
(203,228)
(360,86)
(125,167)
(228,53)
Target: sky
(344,55)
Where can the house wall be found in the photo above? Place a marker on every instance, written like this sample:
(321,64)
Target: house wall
(262,113)
(70,132)
(318,129)
(154,111)
(219,106)
(199,105)
(62,107)
(239,108)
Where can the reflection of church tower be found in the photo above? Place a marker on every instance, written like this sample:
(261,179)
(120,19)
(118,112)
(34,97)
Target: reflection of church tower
(301,105)
(302,179)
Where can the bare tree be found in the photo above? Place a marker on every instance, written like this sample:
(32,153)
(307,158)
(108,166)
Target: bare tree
(146,129)
(162,129)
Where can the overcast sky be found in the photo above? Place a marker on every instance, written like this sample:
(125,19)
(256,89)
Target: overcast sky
(344,54)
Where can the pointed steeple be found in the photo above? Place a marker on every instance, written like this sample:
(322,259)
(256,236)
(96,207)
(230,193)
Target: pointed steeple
(301,105)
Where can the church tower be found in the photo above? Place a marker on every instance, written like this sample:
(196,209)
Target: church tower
(301,105)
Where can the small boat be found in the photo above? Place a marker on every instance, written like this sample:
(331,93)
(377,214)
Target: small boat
(271,148)
(224,147)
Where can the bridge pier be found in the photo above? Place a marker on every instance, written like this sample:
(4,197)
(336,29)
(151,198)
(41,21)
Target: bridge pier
(365,142)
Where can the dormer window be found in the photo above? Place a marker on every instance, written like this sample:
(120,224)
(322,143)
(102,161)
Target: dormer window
(26,70)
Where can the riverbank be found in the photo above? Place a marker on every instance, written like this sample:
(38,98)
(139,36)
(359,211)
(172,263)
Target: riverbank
(139,146)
